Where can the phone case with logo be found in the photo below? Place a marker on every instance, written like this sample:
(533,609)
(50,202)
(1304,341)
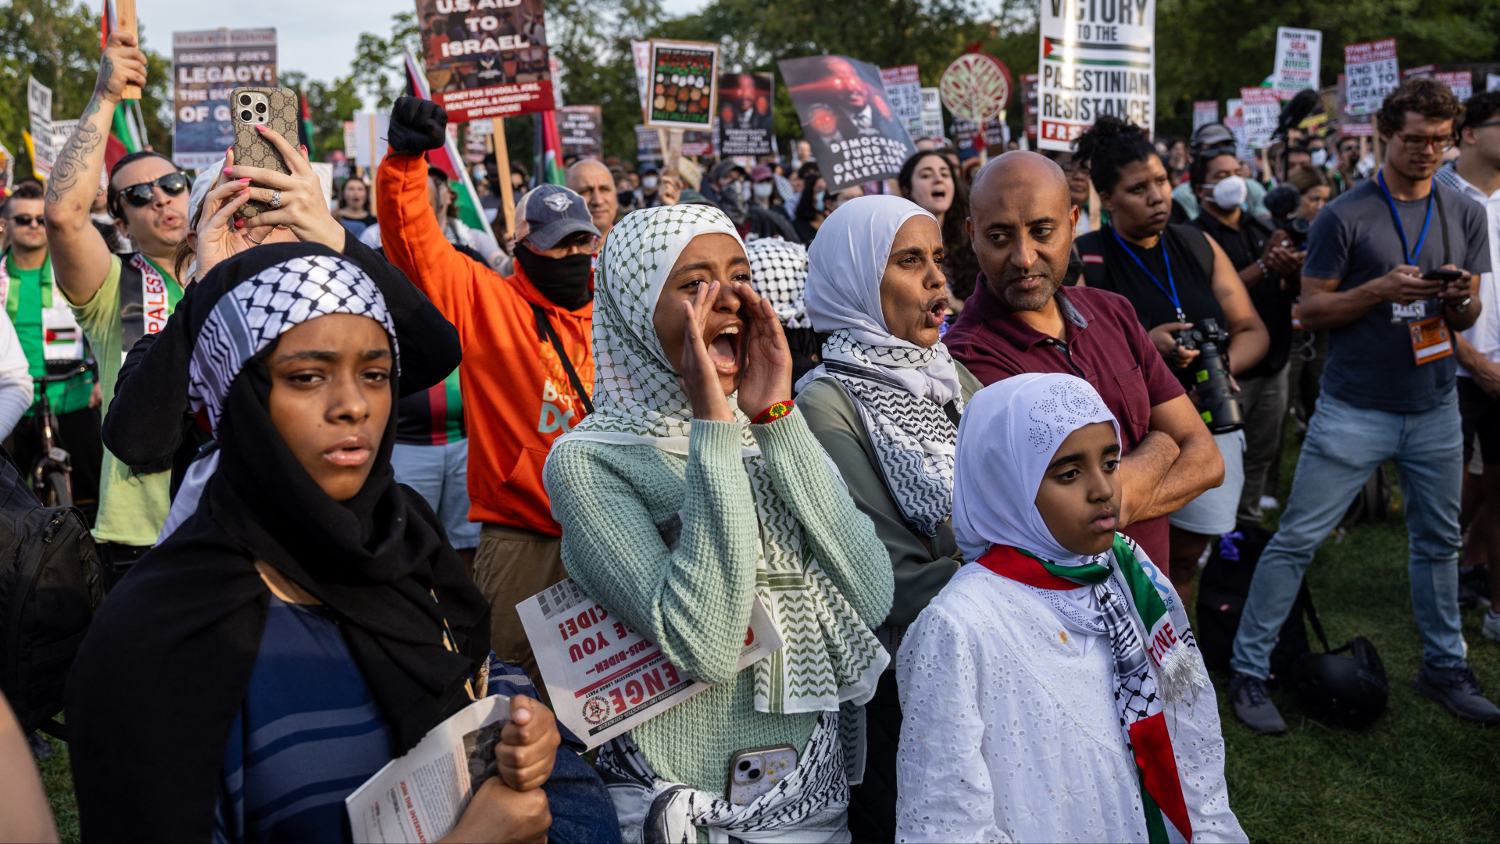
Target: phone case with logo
(253,150)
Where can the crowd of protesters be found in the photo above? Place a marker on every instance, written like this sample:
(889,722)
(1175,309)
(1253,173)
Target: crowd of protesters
(949,432)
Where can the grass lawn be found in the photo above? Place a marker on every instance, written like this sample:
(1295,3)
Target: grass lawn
(1416,775)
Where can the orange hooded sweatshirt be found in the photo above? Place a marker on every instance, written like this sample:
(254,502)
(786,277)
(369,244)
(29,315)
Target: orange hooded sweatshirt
(517,395)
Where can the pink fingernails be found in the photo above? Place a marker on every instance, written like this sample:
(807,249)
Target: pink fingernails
(239,224)
(228,171)
(260,128)
(244,181)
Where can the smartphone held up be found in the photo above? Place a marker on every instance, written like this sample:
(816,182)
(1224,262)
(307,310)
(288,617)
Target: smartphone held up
(251,108)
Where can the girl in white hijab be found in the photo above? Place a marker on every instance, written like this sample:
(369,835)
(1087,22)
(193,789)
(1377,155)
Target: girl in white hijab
(693,491)
(1063,696)
(885,405)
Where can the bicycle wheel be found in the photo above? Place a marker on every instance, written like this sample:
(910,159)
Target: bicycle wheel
(57,490)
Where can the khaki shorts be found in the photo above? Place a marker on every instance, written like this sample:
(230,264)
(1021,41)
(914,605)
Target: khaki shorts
(510,566)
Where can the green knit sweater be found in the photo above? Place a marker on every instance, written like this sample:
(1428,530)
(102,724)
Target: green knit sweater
(669,545)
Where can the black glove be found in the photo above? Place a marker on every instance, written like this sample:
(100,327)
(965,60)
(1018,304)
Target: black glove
(417,126)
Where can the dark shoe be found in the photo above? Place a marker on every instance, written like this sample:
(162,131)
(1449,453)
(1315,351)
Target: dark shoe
(1473,587)
(1253,706)
(1457,689)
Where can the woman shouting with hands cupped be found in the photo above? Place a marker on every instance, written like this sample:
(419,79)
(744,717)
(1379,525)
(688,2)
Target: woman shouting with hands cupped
(693,492)
(296,209)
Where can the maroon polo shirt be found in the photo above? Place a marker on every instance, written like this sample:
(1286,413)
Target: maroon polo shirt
(1105,345)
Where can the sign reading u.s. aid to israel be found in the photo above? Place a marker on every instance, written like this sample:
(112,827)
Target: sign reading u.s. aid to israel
(1096,57)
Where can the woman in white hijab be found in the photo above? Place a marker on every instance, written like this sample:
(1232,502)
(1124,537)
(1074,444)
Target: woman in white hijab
(885,405)
(693,492)
(1062,695)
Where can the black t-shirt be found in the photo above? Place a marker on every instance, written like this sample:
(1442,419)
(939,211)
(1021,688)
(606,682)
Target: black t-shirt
(1274,304)
(1107,267)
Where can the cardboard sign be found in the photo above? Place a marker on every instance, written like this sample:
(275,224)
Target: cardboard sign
(976,87)
(932,114)
(1204,113)
(486,58)
(855,133)
(206,66)
(903,87)
(1298,54)
(684,82)
(1370,72)
(582,130)
(39,108)
(1261,111)
(1096,58)
(745,114)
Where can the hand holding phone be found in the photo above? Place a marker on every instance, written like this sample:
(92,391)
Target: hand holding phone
(251,108)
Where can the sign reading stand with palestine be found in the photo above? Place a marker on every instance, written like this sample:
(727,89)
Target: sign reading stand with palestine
(1097,57)
(1370,72)
(206,66)
(486,58)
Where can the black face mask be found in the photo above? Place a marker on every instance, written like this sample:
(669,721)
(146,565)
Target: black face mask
(564,281)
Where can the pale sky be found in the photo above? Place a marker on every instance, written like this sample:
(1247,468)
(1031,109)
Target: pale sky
(315,36)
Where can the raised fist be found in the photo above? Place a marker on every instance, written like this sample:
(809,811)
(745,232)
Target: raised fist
(417,126)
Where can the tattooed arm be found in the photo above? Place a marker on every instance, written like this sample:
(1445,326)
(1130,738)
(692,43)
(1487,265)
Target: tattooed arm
(80,257)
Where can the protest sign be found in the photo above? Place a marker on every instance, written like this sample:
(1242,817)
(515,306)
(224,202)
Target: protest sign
(7,168)
(1261,111)
(349,138)
(1095,58)
(699,143)
(477,140)
(39,108)
(370,131)
(976,87)
(648,147)
(745,114)
(683,82)
(855,134)
(932,114)
(1358,127)
(903,87)
(1204,113)
(1461,82)
(62,130)
(1234,121)
(486,58)
(420,796)
(604,678)
(1370,72)
(1298,54)
(206,66)
(1028,98)
(970,142)
(582,131)
(1492,82)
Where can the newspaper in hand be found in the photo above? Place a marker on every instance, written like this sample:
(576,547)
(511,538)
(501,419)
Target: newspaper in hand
(421,796)
(603,677)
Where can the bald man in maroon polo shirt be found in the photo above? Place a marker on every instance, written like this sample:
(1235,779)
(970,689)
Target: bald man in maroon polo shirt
(1022,319)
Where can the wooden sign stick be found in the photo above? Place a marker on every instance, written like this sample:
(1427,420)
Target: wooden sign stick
(125,22)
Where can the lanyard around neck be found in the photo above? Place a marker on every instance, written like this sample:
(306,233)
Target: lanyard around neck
(1407,253)
(1169,289)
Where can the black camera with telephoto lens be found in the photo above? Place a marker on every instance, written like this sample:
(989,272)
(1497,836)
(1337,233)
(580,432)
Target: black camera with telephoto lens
(1217,403)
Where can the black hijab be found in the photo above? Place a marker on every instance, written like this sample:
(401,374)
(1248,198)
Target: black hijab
(165,666)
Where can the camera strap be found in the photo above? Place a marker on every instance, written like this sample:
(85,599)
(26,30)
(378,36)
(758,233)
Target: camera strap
(1169,289)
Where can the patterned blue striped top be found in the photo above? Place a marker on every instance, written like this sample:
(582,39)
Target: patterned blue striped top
(307,735)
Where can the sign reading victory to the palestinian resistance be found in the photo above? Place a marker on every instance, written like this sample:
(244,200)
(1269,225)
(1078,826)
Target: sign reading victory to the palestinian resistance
(1370,72)
(745,114)
(486,58)
(683,77)
(206,66)
(855,134)
(1096,57)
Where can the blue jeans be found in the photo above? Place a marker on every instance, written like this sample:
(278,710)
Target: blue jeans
(1344,446)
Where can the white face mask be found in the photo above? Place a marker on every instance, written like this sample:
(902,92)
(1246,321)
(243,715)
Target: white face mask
(649,182)
(1230,193)
(762,190)
(743,188)
(1319,157)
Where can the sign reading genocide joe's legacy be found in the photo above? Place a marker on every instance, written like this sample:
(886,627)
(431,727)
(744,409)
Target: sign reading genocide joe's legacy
(206,66)
(486,58)
(1096,58)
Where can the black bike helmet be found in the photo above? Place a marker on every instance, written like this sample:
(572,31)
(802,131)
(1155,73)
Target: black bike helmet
(1345,687)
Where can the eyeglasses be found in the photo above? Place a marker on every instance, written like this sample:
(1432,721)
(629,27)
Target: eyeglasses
(142,194)
(581,240)
(1417,144)
(27,220)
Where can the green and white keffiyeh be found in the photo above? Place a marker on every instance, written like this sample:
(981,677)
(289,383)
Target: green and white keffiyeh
(829,656)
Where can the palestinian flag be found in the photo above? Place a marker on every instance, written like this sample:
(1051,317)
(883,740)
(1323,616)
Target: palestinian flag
(446,157)
(1092,54)
(128,133)
(307,127)
(551,147)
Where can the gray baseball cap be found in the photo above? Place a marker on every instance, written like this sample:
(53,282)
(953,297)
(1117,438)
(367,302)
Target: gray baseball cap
(549,213)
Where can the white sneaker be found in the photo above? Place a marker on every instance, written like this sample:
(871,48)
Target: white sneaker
(1491,628)
(1269,503)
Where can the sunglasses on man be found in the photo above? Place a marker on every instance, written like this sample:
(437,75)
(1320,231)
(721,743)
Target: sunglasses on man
(24,220)
(142,194)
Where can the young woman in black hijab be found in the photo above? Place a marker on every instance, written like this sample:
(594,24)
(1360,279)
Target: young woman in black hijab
(308,620)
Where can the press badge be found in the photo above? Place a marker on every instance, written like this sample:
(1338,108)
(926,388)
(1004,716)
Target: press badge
(1407,313)
(1430,340)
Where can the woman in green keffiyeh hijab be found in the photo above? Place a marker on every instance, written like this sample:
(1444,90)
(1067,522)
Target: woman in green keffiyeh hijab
(680,513)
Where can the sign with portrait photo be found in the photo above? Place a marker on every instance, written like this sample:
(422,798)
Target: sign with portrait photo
(486,58)
(683,78)
(745,114)
(855,133)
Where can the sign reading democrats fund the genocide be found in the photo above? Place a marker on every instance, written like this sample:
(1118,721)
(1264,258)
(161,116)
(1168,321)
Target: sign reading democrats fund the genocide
(1097,57)
(206,66)
(486,58)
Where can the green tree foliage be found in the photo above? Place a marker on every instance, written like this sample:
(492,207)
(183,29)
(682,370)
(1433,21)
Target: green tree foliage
(57,42)
(329,104)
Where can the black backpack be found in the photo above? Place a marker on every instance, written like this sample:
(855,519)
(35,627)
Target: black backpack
(1223,588)
(51,581)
